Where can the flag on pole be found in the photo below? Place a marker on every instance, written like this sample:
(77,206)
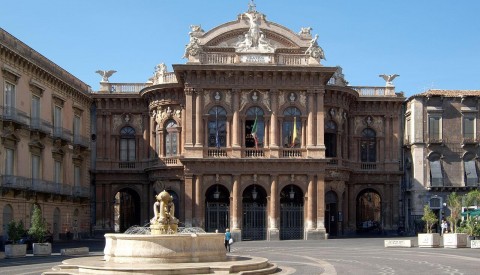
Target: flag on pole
(294,136)
(254,133)
(217,136)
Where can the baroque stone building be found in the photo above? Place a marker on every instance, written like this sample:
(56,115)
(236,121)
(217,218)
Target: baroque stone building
(441,150)
(253,133)
(45,141)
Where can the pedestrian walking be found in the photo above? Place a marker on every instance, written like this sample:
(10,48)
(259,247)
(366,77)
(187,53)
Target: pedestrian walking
(228,239)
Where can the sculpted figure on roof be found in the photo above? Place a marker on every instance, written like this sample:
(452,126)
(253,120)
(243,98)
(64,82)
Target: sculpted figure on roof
(314,50)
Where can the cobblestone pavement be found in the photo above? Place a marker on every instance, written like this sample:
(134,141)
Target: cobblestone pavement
(335,256)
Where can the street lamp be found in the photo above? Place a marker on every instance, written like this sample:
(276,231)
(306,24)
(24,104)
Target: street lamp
(254,193)
(292,193)
(216,194)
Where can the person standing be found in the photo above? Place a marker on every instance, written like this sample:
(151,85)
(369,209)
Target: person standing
(228,236)
(444,227)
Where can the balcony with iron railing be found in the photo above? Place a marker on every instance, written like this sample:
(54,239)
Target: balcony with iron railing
(81,140)
(62,133)
(8,113)
(37,124)
(42,186)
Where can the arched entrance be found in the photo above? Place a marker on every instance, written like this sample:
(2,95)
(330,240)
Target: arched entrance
(331,211)
(291,213)
(369,211)
(7,218)
(126,209)
(217,204)
(254,213)
(56,224)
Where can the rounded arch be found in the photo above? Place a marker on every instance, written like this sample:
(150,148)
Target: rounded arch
(254,127)
(291,212)
(217,208)
(292,127)
(368,145)
(292,193)
(127,144)
(254,204)
(126,209)
(217,127)
(7,218)
(56,223)
(171,138)
(369,210)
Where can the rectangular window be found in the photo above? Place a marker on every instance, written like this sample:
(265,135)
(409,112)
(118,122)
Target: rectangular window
(434,128)
(77,176)
(57,172)
(9,162)
(9,99)
(436,175)
(57,121)
(407,130)
(76,129)
(471,178)
(35,167)
(469,127)
(35,113)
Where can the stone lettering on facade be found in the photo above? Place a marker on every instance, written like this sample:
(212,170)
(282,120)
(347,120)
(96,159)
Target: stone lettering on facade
(255,58)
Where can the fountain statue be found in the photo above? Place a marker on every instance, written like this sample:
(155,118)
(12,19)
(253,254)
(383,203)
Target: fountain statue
(163,250)
(164,221)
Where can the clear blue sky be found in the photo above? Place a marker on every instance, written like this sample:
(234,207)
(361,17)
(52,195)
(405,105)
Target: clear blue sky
(429,43)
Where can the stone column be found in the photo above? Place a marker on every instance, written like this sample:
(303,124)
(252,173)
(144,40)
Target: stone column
(310,120)
(312,216)
(236,209)
(151,140)
(235,120)
(388,136)
(100,136)
(199,215)
(188,127)
(199,118)
(321,205)
(320,122)
(274,218)
(183,135)
(188,200)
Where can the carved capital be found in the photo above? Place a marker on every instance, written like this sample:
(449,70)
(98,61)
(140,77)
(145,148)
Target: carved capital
(189,91)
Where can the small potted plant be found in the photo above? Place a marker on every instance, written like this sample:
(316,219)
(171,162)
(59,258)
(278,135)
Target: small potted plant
(454,239)
(429,239)
(38,231)
(14,249)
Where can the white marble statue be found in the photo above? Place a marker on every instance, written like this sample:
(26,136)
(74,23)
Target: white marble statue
(105,74)
(192,48)
(314,50)
(305,30)
(389,78)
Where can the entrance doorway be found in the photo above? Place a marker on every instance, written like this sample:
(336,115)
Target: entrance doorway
(331,211)
(217,204)
(369,212)
(254,213)
(291,213)
(126,209)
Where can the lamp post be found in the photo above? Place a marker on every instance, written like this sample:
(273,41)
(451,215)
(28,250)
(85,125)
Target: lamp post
(254,193)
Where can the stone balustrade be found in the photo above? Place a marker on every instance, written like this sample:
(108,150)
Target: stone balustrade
(371,91)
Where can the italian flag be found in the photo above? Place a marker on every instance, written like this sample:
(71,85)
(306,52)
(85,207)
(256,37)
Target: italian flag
(294,136)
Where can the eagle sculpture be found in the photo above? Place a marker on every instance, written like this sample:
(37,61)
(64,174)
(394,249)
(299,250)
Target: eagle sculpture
(388,78)
(105,74)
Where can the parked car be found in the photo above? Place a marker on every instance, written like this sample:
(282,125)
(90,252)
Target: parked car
(29,240)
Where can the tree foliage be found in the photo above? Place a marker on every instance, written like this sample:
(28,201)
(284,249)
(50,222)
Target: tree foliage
(38,229)
(429,218)
(15,231)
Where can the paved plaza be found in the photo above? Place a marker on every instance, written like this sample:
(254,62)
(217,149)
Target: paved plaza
(335,256)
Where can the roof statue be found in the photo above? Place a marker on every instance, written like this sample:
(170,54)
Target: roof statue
(305,30)
(388,78)
(252,7)
(314,50)
(192,48)
(254,40)
(105,74)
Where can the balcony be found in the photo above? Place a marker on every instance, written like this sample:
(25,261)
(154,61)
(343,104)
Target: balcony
(12,114)
(371,91)
(292,153)
(62,133)
(435,141)
(254,153)
(37,124)
(81,140)
(42,186)
(469,141)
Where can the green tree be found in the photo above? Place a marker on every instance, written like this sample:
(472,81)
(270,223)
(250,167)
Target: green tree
(454,203)
(429,218)
(15,231)
(38,229)
(470,225)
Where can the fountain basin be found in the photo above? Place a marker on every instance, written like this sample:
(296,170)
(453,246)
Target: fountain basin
(175,248)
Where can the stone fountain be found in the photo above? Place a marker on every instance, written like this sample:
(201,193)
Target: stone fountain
(165,251)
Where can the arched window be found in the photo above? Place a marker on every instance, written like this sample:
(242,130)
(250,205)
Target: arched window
(330,139)
(217,131)
(254,128)
(292,128)
(171,138)
(127,144)
(368,146)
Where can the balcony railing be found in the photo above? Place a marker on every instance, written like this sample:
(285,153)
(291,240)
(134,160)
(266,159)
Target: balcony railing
(42,186)
(374,91)
(122,87)
(217,153)
(41,125)
(62,133)
(81,140)
(292,153)
(255,153)
(9,113)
